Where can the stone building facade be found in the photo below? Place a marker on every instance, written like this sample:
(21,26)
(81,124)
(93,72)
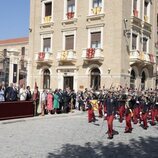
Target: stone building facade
(92,43)
(13,60)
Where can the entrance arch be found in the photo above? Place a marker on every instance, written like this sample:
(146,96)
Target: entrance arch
(95,79)
(46,79)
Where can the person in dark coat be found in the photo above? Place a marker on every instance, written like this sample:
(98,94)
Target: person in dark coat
(111,111)
(129,114)
(11,93)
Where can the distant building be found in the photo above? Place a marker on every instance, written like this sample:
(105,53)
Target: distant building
(93,43)
(13,60)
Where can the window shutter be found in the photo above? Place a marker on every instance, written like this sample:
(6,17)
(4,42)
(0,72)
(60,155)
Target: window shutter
(95,37)
(48,9)
(69,42)
(70,2)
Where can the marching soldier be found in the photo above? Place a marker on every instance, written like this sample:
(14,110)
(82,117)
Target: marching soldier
(144,110)
(128,114)
(111,111)
(91,115)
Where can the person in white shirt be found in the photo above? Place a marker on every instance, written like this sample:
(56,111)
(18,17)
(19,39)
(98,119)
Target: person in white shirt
(43,102)
(1,94)
(22,93)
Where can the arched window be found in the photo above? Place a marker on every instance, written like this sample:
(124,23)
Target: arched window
(143,79)
(132,79)
(46,79)
(95,79)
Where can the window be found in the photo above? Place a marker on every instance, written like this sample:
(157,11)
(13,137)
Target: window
(145,41)
(96,40)
(46,44)
(95,79)
(48,9)
(134,4)
(69,42)
(23,51)
(97,3)
(146,7)
(71,6)
(46,79)
(134,41)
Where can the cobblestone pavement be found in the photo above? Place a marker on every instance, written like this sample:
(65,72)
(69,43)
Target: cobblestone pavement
(70,136)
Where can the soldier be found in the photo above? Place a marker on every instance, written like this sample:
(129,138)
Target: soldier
(111,111)
(121,106)
(136,111)
(144,110)
(128,114)
(91,115)
(100,104)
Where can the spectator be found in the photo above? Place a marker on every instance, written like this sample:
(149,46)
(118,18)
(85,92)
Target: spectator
(22,93)
(36,96)
(56,101)
(28,92)
(11,93)
(43,102)
(49,102)
(1,94)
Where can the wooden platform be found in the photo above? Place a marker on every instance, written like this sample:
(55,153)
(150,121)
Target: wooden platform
(16,109)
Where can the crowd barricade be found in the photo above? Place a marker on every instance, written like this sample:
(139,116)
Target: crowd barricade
(16,109)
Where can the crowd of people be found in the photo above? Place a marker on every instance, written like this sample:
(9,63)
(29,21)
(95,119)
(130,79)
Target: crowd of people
(127,104)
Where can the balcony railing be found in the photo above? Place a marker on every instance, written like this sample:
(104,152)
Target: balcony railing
(67,55)
(92,54)
(96,10)
(70,15)
(43,57)
(47,19)
(137,57)
(146,18)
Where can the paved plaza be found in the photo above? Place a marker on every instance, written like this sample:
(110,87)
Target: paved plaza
(70,136)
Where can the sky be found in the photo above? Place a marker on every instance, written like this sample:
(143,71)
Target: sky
(14,15)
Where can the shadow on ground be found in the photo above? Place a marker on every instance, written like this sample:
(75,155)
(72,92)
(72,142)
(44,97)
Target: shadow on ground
(142,148)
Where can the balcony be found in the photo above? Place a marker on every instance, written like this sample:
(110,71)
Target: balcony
(47,21)
(66,56)
(70,15)
(141,58)
(92,54)
(43,57)
(70,18)
(135,20)
(96,10)
(96,14)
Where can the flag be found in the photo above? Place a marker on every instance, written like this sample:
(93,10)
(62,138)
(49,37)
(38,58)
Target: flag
(94,104)
(35,85)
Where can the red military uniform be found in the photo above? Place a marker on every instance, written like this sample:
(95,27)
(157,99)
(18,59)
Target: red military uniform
(91,115)
(129,114)
(110,105)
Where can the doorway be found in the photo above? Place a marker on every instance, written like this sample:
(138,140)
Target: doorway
(68,82)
